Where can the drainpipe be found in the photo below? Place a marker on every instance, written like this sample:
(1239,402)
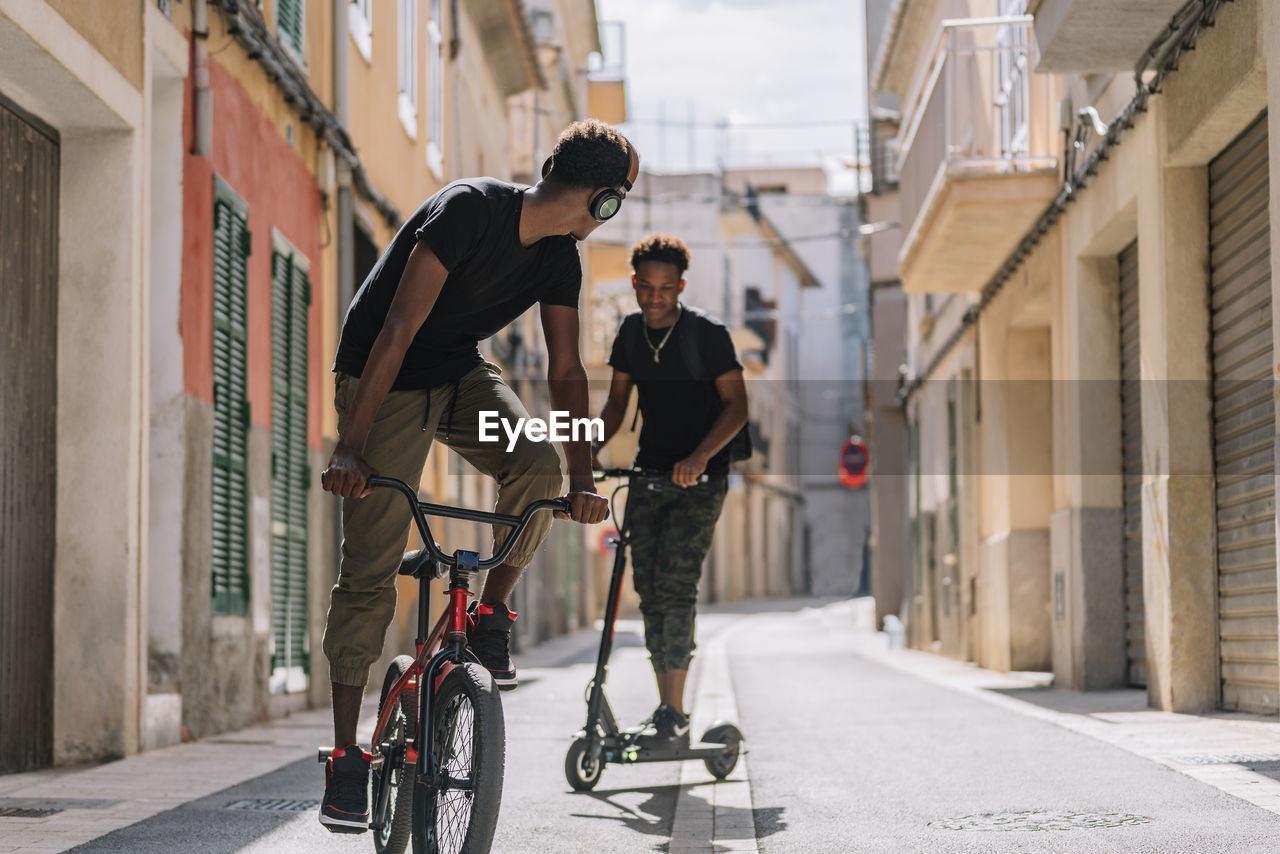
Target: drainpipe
(341,111)
(202,98)
(346,234)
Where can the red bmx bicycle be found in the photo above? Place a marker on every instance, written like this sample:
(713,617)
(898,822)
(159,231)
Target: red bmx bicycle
(445,797)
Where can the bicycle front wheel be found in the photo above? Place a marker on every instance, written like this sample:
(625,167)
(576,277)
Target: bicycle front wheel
(459,814)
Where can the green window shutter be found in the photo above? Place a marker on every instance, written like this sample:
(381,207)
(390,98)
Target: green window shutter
(230,522)
(300,471)
(280,276)
(290,294)
(291,19)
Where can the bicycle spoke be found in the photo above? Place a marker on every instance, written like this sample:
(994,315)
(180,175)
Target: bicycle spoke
(454,751)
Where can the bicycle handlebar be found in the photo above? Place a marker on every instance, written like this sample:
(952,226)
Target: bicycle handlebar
(422,509)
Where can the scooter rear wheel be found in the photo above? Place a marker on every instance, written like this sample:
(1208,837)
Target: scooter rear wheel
(722,764)
(579,770)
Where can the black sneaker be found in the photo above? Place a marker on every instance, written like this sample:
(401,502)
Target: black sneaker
(345,808)
(666,729)
(489,636)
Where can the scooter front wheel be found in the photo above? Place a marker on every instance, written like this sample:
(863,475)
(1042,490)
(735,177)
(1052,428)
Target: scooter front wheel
(722,764)
(579,769)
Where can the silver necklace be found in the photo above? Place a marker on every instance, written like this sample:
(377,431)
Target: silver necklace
(656,350)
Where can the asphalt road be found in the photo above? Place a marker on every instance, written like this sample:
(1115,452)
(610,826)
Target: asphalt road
(846,755)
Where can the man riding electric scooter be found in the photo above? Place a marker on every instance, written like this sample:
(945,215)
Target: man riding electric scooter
(694,403)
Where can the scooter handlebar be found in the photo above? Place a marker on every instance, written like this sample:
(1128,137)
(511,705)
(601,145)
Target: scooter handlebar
(658,480)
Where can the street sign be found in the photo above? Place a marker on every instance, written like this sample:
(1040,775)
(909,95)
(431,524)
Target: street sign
(854,460)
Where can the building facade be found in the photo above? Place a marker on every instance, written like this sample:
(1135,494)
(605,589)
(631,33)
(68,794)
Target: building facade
(829,332)
(196,188)
(1085,251)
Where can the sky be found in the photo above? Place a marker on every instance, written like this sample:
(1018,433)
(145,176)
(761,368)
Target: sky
(797,64)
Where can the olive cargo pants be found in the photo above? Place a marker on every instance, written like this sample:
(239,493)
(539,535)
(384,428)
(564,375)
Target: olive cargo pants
(671,533)
(375,529)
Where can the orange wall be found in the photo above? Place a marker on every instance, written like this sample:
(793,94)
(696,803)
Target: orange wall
(255,161)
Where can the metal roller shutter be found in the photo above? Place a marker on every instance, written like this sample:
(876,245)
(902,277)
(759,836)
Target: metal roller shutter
(1244,422)
(29,164)
(1131,445)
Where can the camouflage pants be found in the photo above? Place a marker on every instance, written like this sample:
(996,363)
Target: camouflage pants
(670,536)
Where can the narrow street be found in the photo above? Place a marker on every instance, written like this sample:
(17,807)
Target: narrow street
(852,748)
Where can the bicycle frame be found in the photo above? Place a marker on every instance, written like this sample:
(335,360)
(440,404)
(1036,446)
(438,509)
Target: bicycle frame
(445,645)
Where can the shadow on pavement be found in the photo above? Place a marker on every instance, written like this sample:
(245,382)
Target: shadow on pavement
(211,823)
(770,606)
(587,654)
(656,814)
(1081,702)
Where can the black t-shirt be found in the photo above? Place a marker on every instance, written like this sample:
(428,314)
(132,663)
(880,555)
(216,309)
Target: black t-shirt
(678,408)
(473,226)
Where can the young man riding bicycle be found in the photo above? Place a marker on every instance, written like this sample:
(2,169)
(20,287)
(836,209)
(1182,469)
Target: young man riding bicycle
(694,403)
(472,259)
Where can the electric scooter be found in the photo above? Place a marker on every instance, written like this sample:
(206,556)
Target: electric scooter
(602,742)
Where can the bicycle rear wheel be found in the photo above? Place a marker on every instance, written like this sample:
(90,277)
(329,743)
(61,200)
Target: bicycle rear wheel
(460,813)
(393,838)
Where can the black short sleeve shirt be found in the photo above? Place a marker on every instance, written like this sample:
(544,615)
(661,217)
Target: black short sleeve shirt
(473,227)
(678,408)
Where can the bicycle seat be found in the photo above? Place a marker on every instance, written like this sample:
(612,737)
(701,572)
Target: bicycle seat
(416,562)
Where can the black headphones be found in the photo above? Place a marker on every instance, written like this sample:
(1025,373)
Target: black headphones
(606,203)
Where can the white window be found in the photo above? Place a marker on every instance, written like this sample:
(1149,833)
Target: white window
(407,34)
(435,80)
(360,25)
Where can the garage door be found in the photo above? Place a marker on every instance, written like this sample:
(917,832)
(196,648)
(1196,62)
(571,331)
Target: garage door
(1131,443)
(28,425)
(1244,422)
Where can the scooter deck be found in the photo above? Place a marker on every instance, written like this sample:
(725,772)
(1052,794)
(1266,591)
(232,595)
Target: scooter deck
(702,750)
(626,752)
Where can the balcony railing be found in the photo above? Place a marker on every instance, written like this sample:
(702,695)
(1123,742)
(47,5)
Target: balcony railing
(976,110)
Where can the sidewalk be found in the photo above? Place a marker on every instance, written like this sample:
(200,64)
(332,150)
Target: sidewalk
(60,808)
(1234,752)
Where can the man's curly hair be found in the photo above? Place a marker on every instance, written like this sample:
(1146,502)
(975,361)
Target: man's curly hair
(666,248)
(591,154)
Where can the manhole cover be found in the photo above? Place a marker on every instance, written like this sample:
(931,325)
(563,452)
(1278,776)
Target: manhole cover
(1040,820)
(1228,758)
(273,805)
(45,807)
(26,812)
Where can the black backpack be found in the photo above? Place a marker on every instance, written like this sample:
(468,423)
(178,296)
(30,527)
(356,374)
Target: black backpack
(690,338)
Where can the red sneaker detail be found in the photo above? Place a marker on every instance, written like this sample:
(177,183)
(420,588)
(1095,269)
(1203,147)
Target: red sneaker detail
(340,752)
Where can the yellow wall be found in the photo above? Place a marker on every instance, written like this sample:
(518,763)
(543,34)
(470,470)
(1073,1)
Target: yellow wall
(395,162)
(607,101)
(113,28)
(478,142)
